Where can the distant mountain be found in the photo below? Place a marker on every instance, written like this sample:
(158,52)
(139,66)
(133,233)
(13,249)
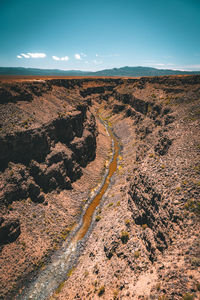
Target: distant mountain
(124,71)
(39,72)
(140,71)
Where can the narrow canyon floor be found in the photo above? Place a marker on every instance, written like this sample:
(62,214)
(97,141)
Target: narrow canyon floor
(144,242)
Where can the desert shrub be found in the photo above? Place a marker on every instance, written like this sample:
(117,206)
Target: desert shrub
(101,290)
(144,226)
(195,261)
(115,293)
(193,206)
(60,287)
(188,296)
(158,286)
(98,218)
(10,207)
(124,237)
(178,189)
(127,222)
(197,168)
(70,272)
(137,254)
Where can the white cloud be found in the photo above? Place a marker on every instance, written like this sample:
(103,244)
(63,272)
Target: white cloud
(83,54)
(25,55)
(77,56)
(107,55)
(37,55)
(65,58)
(55,57)
(31,55)
(60,58)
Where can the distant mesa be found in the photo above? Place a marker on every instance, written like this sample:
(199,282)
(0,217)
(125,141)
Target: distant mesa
(124,71)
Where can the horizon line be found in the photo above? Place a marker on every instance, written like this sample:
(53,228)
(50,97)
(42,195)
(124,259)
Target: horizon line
(138,66)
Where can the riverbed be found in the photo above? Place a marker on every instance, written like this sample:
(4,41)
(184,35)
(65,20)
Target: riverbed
(56,272)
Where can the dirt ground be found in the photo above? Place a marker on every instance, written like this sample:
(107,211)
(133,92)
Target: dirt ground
(145,245)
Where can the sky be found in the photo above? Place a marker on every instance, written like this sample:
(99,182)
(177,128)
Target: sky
(100,34)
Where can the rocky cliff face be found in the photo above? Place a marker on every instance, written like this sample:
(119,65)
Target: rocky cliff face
(47,138)
(36,161)
(50,144)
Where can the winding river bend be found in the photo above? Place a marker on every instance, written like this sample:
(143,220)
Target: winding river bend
(66,257)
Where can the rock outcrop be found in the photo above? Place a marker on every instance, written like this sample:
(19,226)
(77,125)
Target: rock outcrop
(9,230)
(46,158)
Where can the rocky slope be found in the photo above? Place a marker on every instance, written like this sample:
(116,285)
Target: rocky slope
(145,244)
(48,137)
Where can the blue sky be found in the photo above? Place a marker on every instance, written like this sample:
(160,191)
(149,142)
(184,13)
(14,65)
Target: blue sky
(99,34)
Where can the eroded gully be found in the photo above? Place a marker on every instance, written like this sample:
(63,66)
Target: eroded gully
(66,257)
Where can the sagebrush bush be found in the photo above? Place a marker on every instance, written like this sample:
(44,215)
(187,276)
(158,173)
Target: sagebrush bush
(101,290)
(188,296)
(124,237)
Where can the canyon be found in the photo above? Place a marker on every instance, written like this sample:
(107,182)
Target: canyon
(55,151)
